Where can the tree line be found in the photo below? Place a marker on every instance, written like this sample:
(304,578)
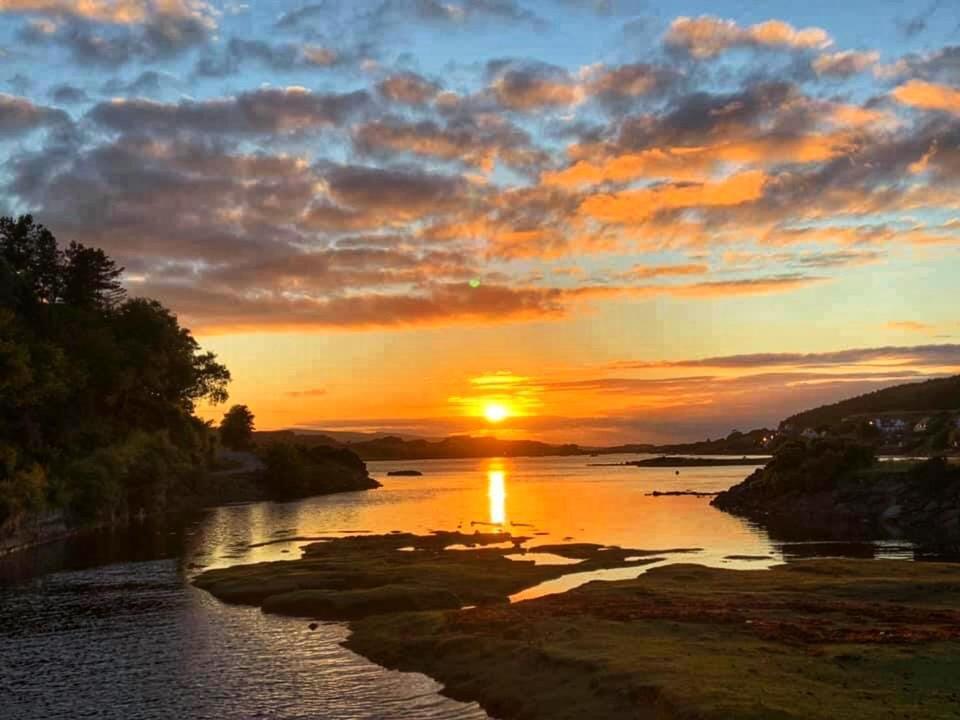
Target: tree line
(97,389)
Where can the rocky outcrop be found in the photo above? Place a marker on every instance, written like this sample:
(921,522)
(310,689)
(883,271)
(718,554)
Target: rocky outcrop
(837,490)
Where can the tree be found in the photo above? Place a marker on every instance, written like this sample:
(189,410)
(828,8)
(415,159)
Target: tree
(91,279)
(236,428)
(97,390)
(30,251)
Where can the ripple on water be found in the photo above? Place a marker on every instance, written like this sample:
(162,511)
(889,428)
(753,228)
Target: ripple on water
(133,641)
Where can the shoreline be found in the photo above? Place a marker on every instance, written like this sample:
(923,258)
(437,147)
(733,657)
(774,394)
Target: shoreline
(249,490)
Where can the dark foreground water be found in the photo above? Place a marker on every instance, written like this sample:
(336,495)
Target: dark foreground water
(108,626)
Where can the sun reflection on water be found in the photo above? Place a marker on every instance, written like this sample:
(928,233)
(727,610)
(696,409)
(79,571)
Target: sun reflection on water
(497,494)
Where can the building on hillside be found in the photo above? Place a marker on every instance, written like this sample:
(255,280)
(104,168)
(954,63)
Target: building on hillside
(922,426)
(809,434)
(889,426)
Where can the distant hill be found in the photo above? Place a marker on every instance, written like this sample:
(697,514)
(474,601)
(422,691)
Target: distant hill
(457,446)
(912,398)
(347,436)
(465,446)
(920,397)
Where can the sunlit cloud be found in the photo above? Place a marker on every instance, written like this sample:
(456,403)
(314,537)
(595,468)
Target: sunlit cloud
(845,62)
(321,169)
(911,326)
(929,96)
(707,36)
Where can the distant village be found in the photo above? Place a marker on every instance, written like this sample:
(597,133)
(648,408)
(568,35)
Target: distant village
(892,432)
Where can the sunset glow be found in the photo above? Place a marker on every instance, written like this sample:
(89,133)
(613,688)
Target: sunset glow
(332,329)
(576,221)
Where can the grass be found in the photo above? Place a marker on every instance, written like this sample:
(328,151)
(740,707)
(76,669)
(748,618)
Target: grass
(822,639)
(347,578)
(810,640)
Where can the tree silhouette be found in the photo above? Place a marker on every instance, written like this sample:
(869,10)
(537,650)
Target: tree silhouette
(97,390)
(91,279)
(236,428)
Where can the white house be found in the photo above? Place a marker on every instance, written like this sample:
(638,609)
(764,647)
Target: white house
(889,426)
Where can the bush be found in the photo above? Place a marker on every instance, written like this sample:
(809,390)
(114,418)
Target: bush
(140,473)
(95,487)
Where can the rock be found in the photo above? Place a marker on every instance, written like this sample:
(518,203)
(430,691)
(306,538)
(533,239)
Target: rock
(313,626)
(404,473)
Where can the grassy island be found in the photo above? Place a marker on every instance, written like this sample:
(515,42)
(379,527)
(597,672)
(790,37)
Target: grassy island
(347,578)
(811,640)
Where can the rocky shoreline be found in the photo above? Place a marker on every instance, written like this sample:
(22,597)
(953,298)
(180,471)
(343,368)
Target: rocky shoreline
(841,492)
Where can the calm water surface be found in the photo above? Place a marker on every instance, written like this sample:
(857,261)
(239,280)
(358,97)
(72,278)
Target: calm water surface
(109,626)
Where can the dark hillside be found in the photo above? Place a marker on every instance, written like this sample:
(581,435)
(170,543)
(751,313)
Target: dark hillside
(922,397)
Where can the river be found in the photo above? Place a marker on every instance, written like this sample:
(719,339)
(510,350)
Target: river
(108,625)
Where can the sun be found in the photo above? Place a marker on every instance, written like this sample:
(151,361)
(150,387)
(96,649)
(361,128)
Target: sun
(495,412)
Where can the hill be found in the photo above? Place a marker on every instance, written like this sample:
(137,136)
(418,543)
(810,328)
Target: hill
(942,394)
(392,447)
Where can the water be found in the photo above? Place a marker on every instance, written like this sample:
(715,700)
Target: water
(108,626)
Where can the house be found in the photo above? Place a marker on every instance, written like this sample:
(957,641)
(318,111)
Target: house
(922,426)
(889,426)
(809,434)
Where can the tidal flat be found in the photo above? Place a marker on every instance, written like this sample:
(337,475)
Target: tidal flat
(814,639)
(353,577)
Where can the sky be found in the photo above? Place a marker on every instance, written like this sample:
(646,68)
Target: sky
(606,220)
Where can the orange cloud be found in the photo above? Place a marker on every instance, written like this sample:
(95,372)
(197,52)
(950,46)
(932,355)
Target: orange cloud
(696,163)
(538,94)
(408,88)
(911,326)
(653,271)
(707,36)
(847,62)
(635,206)
(929,96)
(118,12)
(676,163)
